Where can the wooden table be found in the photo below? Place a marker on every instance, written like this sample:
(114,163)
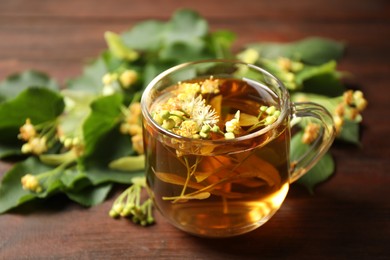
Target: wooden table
(347,218)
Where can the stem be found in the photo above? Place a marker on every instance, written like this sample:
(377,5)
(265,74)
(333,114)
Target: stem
(190,172)
(52,173)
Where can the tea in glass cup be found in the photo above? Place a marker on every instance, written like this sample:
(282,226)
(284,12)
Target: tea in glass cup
(217,141)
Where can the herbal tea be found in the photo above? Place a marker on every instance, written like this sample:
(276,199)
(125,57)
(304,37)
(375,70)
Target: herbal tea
(204,175)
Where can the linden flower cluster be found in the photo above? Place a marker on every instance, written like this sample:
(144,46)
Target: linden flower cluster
(35,143)
(125,79)
(310,133)
(352,105)
(128,204)
(39,138)
(187,113)
(132,126)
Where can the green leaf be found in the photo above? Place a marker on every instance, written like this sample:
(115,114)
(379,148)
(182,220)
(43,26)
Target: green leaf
(110,148)
(350,132)
(73,179)
(100,175)
(186,25)
(90,196)
(320,171)
(14,84)
(152,69)
(310,71)
(220,43)
(313,50)
(9,150)
(185,38)
(181,52)
(91,79)
(145,36)
(78,108)
(329,103)
(112,63)
(105,115)
(11,191)
(328,84)
(38,104)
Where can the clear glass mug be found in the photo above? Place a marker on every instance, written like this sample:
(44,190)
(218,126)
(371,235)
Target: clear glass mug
(227,187)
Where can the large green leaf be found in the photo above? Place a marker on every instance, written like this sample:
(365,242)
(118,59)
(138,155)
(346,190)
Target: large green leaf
(145,36)
(38,104)
(11,192)
(350,132)
(112,147)
(8,150)
(105,115)
(328,84)
(91,195)
(220,44)
(313,50)
(186,25)
(320,172)
(91,79)
(16,83)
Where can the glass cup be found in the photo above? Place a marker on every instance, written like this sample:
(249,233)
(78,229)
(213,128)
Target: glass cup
(221,187)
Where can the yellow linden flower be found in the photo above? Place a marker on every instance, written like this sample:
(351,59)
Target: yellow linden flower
(135,108)
(190,89)
(359,100)
(108,78)
(210,86)
(38,145)
(233,126)
(249,56)
(188,128)
(310,134)
(128,78)
(27,131)
(348,97)
(138,144)
(31,183)
(338,123)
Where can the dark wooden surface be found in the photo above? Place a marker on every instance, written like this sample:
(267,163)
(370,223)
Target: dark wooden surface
(347,218)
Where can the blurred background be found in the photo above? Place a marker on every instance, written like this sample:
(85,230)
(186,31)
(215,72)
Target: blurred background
(59,36)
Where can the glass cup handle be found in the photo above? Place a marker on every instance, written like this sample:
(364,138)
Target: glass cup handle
(317,114)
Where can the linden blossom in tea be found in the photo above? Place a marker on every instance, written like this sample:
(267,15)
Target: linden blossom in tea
(208,187)
(193,109)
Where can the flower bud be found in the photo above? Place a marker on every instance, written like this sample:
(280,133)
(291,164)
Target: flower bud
(107,79)
(229,135)
(205,128)
(30,182)
(168,124)
(128,77)
(270,110)
(270,120)
(27,131)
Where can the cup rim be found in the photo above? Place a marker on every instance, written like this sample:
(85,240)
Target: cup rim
(284,98)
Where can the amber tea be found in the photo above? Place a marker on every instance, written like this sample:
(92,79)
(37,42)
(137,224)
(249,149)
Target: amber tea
(217,142)
(208,189)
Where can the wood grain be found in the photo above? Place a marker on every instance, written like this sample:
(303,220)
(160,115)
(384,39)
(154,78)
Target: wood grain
(348,216)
